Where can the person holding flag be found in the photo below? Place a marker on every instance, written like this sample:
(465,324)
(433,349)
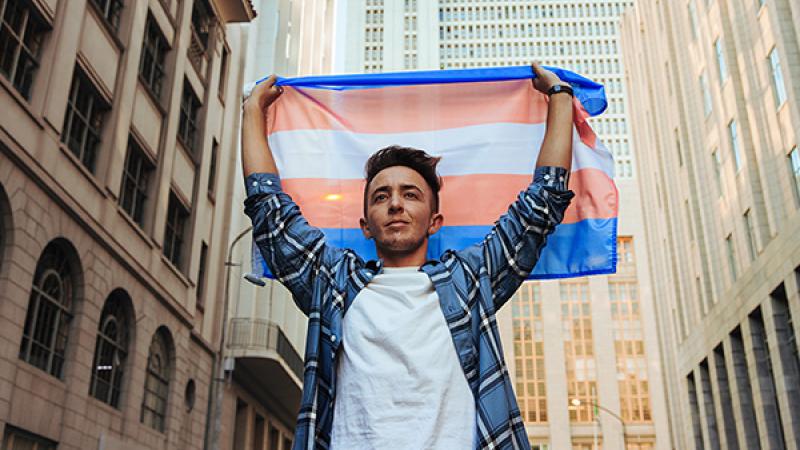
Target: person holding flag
(403,352)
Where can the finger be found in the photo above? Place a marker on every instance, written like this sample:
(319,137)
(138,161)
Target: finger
(269,82)
(537,69)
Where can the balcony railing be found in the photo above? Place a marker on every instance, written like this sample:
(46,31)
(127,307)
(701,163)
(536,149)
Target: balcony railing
(198,54)
(262,334)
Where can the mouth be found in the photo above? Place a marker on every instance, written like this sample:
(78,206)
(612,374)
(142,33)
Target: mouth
(396,223)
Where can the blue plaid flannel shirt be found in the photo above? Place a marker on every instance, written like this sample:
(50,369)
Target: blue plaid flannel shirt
(472,285)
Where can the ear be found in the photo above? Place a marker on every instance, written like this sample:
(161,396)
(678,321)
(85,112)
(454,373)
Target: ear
(437,220)
(362,222)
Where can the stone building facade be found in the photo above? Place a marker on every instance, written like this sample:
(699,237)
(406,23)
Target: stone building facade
(713,89)
(117,135)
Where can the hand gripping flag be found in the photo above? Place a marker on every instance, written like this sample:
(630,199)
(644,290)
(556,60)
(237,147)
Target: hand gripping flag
(486,124)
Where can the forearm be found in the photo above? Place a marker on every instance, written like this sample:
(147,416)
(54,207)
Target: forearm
(557,145)
(256,154)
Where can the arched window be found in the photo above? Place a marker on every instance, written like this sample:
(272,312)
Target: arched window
(44,338)
(156,384)
(111,349)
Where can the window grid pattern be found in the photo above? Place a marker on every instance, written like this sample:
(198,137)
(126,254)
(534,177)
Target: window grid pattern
(581,36)
(154,54)
(110,351)
(83,122)
(410,53)
(156,386)
(631,359)
(187,125)
(528,325)
(21,34)
(44,338)
(581,371)
(373,50)
(175,229)
(135,182)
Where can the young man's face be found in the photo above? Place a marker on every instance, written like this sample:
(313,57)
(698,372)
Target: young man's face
(399,211)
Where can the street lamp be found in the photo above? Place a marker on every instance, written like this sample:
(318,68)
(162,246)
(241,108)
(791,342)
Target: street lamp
(219,375)
(576,402)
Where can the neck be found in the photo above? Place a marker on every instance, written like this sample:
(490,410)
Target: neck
(415,258)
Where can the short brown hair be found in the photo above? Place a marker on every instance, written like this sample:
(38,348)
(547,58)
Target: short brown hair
(413,158)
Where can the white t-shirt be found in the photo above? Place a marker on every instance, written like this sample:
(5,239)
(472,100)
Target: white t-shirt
(399,381)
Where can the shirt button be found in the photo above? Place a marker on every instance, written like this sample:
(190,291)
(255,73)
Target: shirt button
(546,177)
(333,338)
(560,178)
(269,182)
(255,183)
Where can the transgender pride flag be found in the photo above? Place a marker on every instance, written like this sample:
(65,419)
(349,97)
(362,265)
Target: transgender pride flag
(486,124)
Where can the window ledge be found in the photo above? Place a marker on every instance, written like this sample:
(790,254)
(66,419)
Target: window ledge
(153,97)
(86,172)
(136,227)
(181,276)
(109,30)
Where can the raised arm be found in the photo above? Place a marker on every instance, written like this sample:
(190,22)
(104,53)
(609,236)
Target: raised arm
(510,251)
(295,252)
(256,154)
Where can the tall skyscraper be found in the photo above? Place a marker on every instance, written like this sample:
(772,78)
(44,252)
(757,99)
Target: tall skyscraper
(114,199)
(570,344)
(714,91)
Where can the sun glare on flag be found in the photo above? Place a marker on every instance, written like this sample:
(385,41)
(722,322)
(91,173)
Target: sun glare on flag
(333,197)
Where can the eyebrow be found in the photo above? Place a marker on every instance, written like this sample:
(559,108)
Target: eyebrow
(403,187)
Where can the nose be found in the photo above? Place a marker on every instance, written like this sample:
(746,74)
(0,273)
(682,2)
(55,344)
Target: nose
(396,204)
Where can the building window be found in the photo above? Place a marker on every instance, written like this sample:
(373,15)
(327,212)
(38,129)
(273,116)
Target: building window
(794,165)
(44,338)
(157,379)
(720,51)
(17,439)
(83,122)
(154,55)
(202,22)
(744,389)
(135,182)
(766,381)
(212,169)
(174,233)
(201,275)
(21,35)
(778,87)
(725,399)
(749,228)
(110,10)
(708,405)
(731,257)
(110,351)
(528,324)
(694,409)
(733,133)
(693,18)
(707,104)
(717,169)
(223,72)
(788,351)
(187,127)
(581,371)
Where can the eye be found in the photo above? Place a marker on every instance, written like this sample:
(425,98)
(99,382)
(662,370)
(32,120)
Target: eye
(380,197)
(412,195)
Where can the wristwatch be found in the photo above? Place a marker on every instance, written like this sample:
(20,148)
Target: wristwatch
(558,88)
